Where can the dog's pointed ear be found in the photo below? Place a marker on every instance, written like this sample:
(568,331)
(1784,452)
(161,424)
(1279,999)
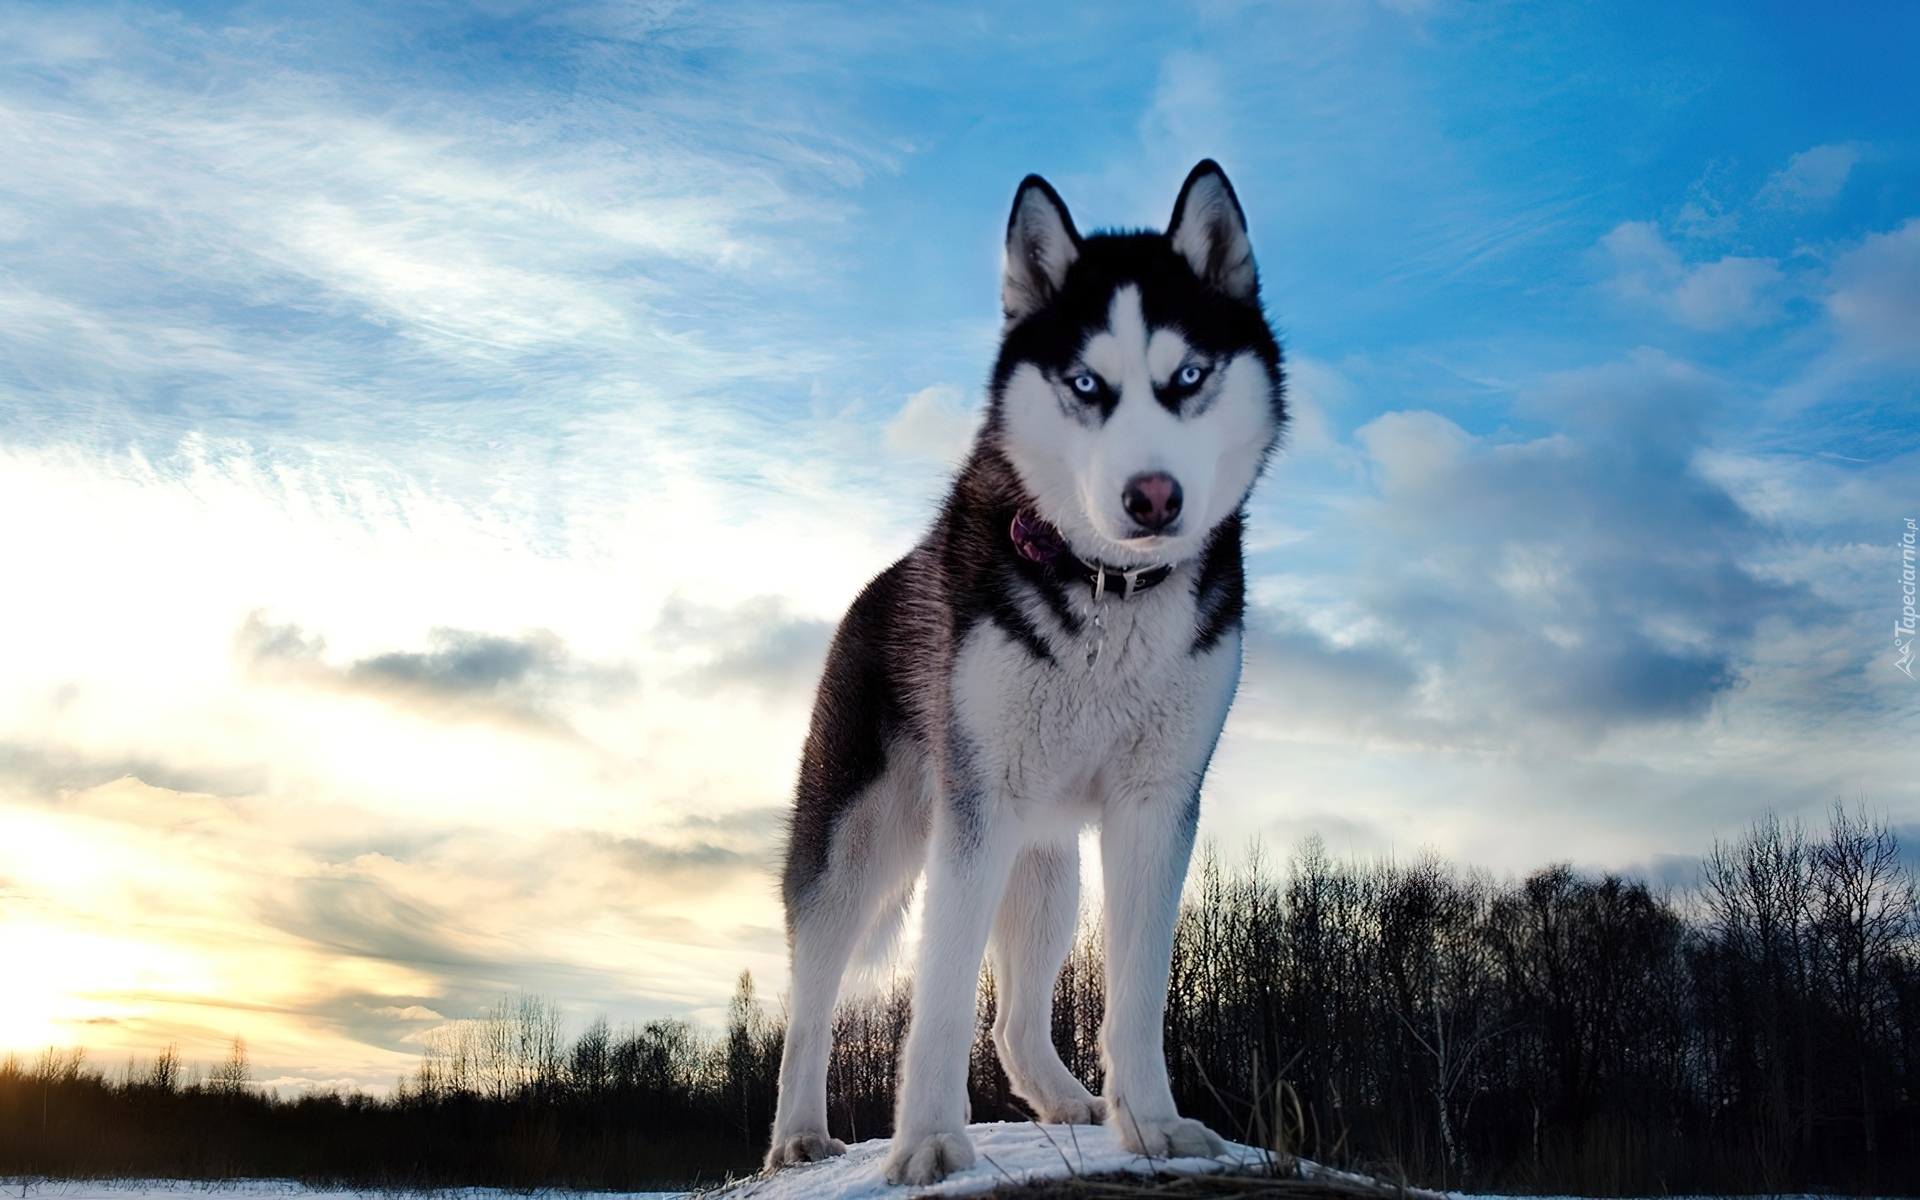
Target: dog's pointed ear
(1210,232)
(1041,245)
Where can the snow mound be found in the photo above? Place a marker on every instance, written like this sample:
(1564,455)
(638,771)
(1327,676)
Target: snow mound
(1010,1152)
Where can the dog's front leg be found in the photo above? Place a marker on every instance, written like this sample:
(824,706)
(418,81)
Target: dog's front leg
(972,853)
(1144,847)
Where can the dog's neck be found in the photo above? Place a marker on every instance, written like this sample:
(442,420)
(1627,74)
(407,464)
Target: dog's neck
(1035,540)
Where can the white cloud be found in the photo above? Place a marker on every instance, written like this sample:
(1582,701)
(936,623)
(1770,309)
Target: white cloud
(1876,292)
(1189,115)
(1556,589)
(1810,177)
(1313,388)
(1731,292)
(935,423)
(1606,634)
(412,1012)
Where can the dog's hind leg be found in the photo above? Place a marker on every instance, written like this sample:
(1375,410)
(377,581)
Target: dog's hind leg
(1031,936)
(876,850)
(823,940)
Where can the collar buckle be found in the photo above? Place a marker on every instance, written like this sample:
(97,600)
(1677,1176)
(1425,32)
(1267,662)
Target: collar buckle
(1130,580)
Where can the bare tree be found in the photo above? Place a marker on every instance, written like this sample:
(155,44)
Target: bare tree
(1863,901)
(234,1074)
(164,1074)
(1759,894)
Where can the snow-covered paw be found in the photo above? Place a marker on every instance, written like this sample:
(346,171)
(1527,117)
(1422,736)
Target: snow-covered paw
(802,1148)
(1073,1110)
(928,1158)
(1178,1137)
(1057,1098)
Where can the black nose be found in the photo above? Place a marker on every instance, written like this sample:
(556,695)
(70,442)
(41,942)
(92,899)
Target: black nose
(1153,501)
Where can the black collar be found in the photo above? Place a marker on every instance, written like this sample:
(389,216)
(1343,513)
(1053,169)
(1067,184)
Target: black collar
(1037,541)
(1112,579)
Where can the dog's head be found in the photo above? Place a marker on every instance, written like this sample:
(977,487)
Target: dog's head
(1138,391)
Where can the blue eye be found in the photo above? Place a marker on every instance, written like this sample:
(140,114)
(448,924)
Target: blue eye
(1190,375)
(1085,384)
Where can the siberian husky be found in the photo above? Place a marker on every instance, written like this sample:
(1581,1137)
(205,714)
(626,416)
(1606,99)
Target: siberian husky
(1060,650)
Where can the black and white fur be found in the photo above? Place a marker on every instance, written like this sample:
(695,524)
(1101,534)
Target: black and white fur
(982,705)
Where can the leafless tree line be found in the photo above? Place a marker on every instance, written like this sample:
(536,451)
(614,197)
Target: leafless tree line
(513,1048)
(163,1074)
(1565,1032)
(501,1100)
(1756,1032)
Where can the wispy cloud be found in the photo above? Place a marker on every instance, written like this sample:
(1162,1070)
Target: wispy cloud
(273,253)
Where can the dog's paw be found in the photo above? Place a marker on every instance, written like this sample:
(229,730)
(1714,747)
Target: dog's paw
(802,1148)
(928,1158)
(1177,1137)
(1073,1110)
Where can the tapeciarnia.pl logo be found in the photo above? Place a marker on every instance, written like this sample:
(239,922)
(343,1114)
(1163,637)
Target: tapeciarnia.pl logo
(1903,626)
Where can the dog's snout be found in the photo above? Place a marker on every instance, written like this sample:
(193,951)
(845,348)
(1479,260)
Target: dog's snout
(1152,500)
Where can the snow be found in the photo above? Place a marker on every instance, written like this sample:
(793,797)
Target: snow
(1010,1152)
(275,1189)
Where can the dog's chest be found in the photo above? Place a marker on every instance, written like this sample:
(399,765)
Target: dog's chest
(1125,689)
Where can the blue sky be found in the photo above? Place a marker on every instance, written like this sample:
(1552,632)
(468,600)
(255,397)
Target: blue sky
(440,439)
